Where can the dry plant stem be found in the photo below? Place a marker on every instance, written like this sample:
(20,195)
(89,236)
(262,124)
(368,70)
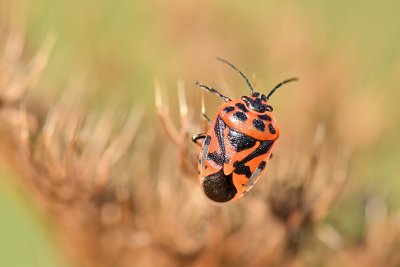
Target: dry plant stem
(179,137)
(15,81)
(315,156)
(17,90)
(206,122)
(165,118)
(119,145)
(303,203)
(333,189)
(185,127)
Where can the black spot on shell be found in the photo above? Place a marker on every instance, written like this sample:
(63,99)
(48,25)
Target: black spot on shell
(219,187)
(259,124)
(240,168)
(264,97)
(228,109)
(242,107)
(240,116)
(217,158)
(240,141)
(262,165)
(264,117)
(271,129)
(219,128)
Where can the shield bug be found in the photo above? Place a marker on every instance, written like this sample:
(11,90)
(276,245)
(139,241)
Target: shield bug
(238,143)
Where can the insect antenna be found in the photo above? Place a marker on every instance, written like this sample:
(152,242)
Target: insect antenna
(240,72)
(214,91)
(280,84)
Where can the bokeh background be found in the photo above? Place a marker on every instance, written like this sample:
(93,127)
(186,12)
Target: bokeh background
(346,54)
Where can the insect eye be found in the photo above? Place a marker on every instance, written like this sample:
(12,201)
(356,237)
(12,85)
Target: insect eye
(263,97)
(256,94)
(269,108)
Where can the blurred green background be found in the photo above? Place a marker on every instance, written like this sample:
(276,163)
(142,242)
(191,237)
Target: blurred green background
(26,238)
(351,48)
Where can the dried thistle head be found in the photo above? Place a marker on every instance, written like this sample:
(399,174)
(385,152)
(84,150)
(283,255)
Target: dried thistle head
(294,190)
(301,199)
(78,166)
(298,199)
(180,136)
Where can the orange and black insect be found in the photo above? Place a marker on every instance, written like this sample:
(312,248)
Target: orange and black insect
(238,143)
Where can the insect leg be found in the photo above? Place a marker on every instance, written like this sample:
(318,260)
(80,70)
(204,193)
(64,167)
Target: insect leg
(254,177)
(163,114)
(209,121)
(197,137)
(214,91)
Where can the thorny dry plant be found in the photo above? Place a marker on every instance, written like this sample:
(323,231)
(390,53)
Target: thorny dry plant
(81,169)
(292,199)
